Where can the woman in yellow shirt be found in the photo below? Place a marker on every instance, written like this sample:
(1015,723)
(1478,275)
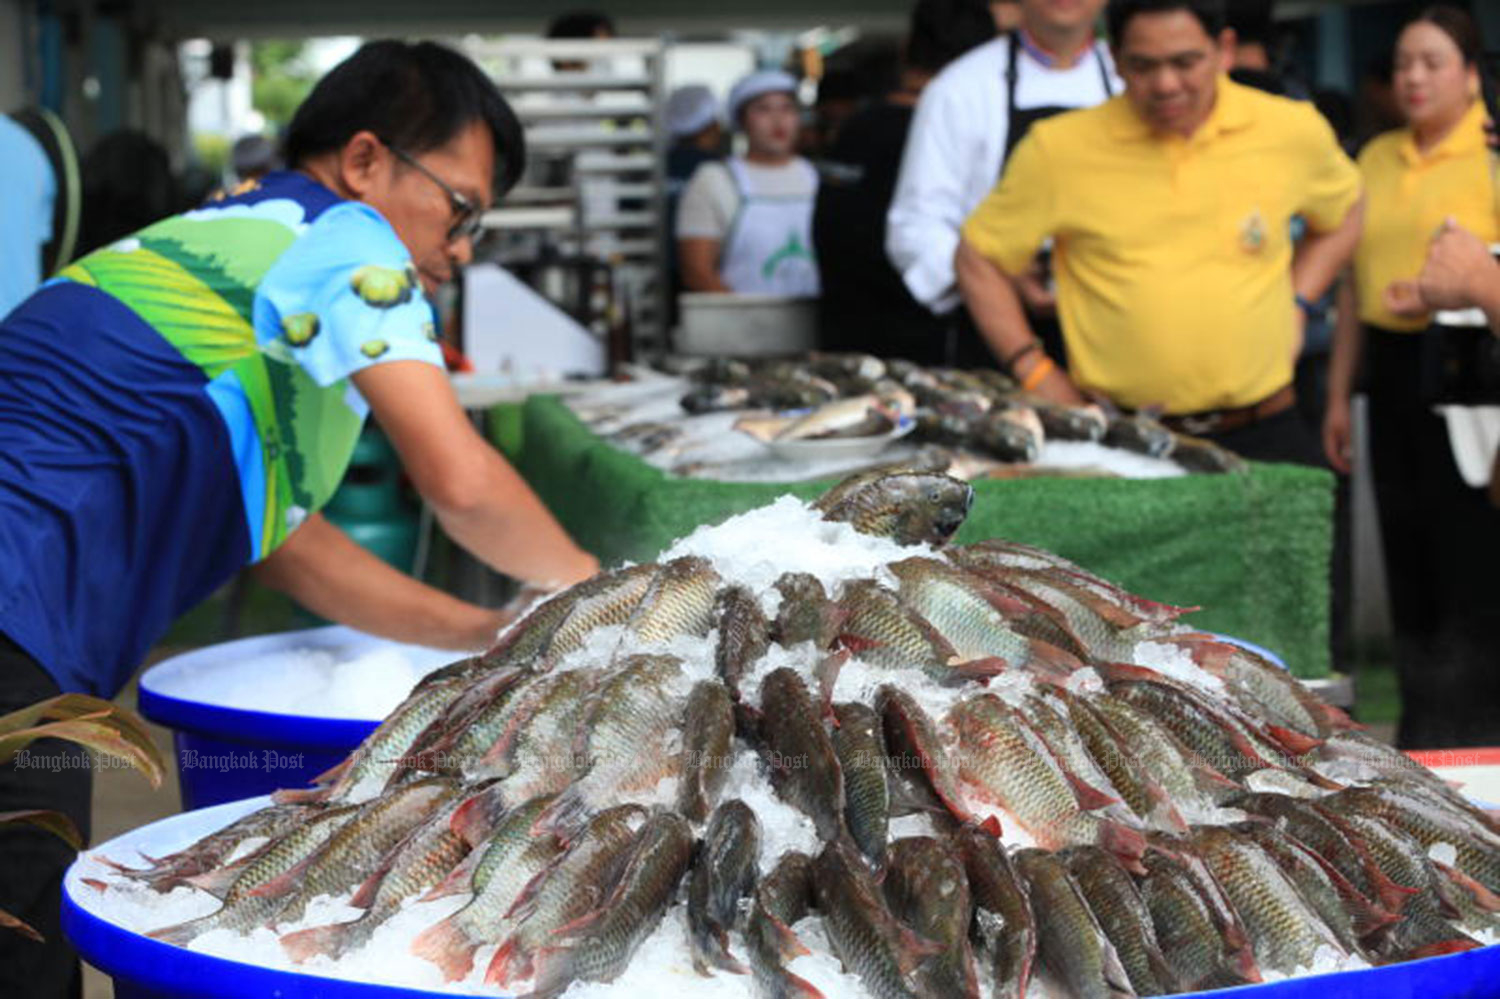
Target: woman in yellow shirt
(1441,541)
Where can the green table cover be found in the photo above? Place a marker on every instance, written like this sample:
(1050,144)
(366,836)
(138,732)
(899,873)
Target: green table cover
(1252,550)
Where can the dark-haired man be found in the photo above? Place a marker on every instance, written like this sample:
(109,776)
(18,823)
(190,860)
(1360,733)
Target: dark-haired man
(1170,208)
(180,404)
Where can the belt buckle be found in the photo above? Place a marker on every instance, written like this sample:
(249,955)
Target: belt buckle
(1198,424)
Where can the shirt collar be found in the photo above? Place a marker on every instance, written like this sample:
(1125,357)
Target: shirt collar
(1047,59)
(1467,137)
(1231,112)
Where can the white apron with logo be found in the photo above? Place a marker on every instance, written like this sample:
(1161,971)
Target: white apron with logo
(769,249)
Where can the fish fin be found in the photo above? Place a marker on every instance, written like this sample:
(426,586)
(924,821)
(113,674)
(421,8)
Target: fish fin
(1294,742)
(1127,844)
(1483,897)
(979,669)
(562,814)
(719,956)
(583,922)
(827,675)
(364,896)
(912,950)
(447,946)
(1046,656)
(304,944)
(472,821)
(1163,813)
(856,644)
(788,944)
(217,881)
(1454,945)
(457,880)
(510,964)
(301,795)
(1391,896)
(1113,672)
(991,825)
(181,934)
(96,884)
(336,772)
(1090,798)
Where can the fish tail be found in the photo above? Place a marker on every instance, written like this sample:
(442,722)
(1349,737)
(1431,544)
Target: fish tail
(182,933)
(1453,945)
(303,944)
(563,815)
(446,945)
(510,963)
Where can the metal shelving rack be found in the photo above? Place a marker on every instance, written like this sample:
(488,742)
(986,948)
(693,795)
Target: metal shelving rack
(605,125)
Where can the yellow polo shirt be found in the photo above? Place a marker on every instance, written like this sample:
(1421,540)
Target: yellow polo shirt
(1173,256)
(1408,194)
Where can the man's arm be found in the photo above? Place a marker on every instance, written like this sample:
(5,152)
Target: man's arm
(479,499)
(1322,255)
(928,206)
(321,568)
(996,309)
(1461,273)
(698,261)
(1348,343)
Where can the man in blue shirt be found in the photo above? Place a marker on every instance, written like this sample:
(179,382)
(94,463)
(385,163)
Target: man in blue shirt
(180,404)
(25,212)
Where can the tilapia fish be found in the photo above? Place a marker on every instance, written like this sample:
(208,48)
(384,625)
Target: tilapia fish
(598,946)
(724,873)
(507,861)
(871,941)
(859,742)
(744,635)
(804,767)
(908,507)
(782,899)
(928,889)
(1070,944)
(806,614)
(1006,924)
(707,748)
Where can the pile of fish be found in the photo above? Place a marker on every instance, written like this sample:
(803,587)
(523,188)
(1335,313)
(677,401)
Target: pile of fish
(1199,823)
(981,412)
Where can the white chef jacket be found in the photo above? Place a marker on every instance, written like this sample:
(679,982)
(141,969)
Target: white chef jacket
(954,151)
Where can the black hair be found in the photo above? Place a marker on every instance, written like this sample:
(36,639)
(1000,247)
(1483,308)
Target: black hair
(580,24)
(1251,21)
(127,185)
(1119,14)
(943,30)
(1456,23)
(415,96)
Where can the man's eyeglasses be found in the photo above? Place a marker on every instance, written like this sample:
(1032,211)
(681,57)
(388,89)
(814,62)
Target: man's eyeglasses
(468,218)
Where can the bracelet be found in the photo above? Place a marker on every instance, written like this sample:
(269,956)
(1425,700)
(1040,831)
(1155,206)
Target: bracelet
(1009,363)
(1043,368)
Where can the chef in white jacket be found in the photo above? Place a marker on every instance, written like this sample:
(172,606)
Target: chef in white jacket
(745,225)
(970,118)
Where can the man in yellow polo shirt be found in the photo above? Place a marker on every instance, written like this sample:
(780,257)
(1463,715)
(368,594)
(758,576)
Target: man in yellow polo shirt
(1170,208)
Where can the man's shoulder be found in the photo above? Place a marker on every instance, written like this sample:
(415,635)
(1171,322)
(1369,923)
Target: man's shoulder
(1084,124)
(967,76)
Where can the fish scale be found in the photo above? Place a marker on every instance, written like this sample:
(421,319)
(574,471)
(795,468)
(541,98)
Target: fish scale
(858,743)
(1283,930)
(724,872)
(1069,941)
(997,891)
(1192,938)
(1123,916)
(707,748)
(872,942)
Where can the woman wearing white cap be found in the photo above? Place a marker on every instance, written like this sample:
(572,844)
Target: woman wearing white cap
(745,225)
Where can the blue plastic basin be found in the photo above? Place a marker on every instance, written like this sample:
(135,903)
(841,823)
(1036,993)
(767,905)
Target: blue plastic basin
(143,968)
(226,753)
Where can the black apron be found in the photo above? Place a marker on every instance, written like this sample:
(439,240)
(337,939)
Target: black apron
(966,346)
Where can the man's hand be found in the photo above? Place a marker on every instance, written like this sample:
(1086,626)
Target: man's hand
(1404,298)
(1459,270)
(1338,436)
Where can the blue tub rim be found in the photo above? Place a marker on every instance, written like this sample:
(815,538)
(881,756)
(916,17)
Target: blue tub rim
(118,952)
(251,726)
